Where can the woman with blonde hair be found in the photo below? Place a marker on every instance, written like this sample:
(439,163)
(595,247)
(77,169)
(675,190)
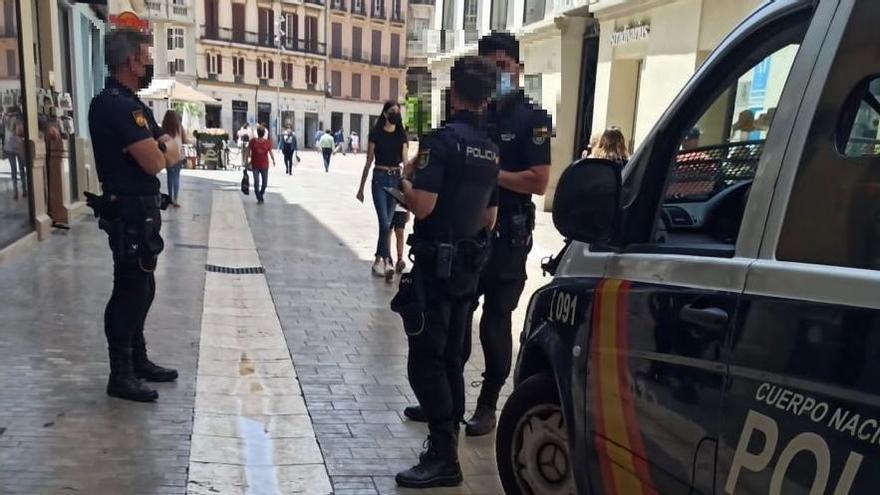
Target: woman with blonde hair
(611,146)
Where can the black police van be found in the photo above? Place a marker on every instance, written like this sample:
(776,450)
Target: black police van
(714,325)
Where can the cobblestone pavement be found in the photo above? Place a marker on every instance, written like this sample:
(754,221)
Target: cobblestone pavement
(63,435)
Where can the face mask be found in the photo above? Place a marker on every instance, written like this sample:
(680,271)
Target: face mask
(394,118)
(505,84)
(145,80)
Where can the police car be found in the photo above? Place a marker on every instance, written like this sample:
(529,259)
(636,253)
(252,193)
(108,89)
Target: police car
(714,325)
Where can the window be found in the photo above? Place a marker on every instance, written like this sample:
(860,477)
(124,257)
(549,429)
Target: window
(179,7)
(355,85)
(291,30)
(533,11)
(11,63)
(376,57)
(717,155)
(238,66)
(864,131)
(470,15)
(286,71)
(175,66)
(336,83)
(311,76)
(533,88)
(833,212)
(395,50)
(498,20)
(238,17)
(9,18)
(311,34)
(212,24)
(374,88)
(175,38)
(357,6)
(336,33)
(393,89)
(265,27)
(265,69)
(357,40)
(214,63)
(378,8)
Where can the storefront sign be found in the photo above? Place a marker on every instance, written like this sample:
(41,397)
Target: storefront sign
(630,34)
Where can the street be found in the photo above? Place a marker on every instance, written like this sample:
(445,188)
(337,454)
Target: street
(292,367)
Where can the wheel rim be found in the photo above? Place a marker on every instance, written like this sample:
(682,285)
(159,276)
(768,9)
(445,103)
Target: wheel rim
(540,457)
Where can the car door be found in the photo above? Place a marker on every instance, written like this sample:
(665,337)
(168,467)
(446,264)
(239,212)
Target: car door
(802,413)
(661,317)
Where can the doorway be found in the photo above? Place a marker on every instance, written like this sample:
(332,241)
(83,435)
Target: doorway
(264,114)
(212,116)
(354,124)
(335,121)
(311,127)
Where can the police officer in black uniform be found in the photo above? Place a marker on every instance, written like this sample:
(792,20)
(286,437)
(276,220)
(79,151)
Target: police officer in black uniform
(521,130)
(452,193)
(130,150)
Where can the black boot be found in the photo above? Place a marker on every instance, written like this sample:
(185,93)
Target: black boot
(146,369)
(483,421)
(438,464)
(122,383)
(415,413)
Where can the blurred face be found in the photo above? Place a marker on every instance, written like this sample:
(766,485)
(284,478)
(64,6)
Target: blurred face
(141,66)
(505,64)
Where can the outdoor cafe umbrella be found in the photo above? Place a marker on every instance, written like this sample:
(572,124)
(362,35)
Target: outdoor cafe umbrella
(173,90)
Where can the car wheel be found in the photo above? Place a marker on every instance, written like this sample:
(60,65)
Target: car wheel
(531,444)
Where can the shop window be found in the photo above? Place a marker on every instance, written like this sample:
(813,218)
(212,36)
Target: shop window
(864,131)
(717,157)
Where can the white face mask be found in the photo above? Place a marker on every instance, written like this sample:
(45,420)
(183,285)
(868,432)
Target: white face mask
(505,84)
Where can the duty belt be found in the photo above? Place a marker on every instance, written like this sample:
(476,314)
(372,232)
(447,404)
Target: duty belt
(146,201)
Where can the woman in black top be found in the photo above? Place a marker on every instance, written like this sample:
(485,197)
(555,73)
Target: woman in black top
(388,144)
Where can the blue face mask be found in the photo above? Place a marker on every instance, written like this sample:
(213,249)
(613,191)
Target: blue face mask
(505,84)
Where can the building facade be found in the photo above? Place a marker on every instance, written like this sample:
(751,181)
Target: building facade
(366,63)
(264,61)
(420,15)
(174,38)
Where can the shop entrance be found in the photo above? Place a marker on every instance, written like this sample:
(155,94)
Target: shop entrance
(311,126)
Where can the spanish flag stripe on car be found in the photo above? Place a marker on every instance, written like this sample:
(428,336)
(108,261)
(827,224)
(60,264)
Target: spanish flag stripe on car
(617,438)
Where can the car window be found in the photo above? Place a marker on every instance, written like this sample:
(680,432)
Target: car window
(864,134)
(718,154)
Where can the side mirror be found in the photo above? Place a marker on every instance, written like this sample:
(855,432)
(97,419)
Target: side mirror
(586,206)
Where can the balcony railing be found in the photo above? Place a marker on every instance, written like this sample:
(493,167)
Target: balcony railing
(338,5)
(263,40)
(365,58)
(315,2)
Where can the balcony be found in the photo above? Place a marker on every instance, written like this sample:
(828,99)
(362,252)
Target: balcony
(315,2)
(262,40)
(378,13)
(338,5)
(358,8)
(397,17)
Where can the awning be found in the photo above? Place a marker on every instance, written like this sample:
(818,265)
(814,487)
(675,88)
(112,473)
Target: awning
(173,90)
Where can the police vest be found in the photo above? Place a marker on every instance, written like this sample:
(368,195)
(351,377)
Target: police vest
(470,180)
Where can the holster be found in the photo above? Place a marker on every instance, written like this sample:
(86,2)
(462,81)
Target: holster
(518,225)
(410,302)
(132,224)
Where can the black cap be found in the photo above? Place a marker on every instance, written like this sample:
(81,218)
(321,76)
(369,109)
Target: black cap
(499,41)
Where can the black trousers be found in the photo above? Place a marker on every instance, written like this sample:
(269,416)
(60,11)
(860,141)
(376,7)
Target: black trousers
(134,287)
(501,285)
(288,160)
(435,365)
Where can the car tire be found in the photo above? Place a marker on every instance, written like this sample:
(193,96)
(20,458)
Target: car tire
(531,444)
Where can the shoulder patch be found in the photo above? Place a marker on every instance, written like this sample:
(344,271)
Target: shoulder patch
(424,157)
(140,119)
(540,134)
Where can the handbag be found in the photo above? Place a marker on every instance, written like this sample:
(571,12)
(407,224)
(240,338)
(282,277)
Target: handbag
(245,183)
(298,159)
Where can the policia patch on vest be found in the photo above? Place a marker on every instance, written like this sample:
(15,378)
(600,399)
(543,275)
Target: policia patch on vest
(139,118)
(540,134)
(424,157)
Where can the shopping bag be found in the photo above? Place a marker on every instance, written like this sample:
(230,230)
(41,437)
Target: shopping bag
(245,183)
(297,157)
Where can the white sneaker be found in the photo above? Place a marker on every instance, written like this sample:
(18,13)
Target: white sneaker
(378,268)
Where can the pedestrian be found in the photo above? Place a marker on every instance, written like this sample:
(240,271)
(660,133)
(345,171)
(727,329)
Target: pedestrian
(521,130)
(130,151)
(398,225)
(261,153)
(13,147)
(318,135)
(288,145)
(244,136)
(339,140)
(355,141)
(388,144)
(453,195)
(611,146)
(590,146)
(326,143)
(171,126)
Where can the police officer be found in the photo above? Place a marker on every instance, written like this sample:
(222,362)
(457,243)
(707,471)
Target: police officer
(130,150)
(452,193)
(521,129)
